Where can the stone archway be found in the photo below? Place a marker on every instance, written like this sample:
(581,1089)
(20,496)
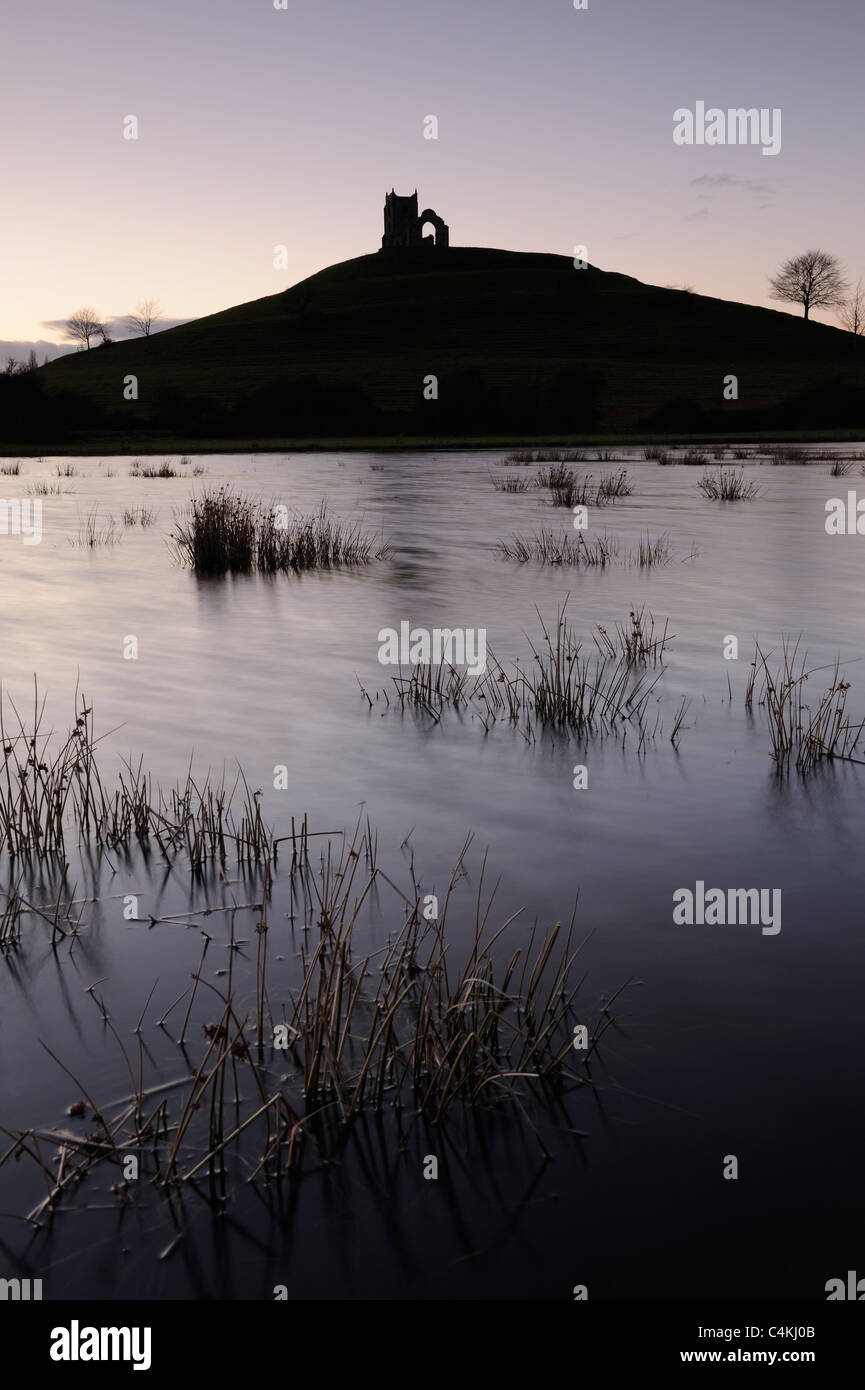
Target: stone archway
(441,228)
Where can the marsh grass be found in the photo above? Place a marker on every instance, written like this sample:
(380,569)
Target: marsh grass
(510,484)
(652,553)
(525,456)
(49,786)
(567,490)
(562,548)
(222,532)
(44,489)
(66,470)
(786,454)
(634,641)
(728,485)
(840,468)
(562,686)
(95,531)
(694,458)
(466,1012)
(139,516)
(803,732)
(614,485)
(162,470)
(548,547)
(11,468)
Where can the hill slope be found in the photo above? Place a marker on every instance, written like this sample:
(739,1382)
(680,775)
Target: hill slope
(519,343)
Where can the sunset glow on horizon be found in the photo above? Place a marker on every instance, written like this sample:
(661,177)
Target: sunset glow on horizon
(260,127)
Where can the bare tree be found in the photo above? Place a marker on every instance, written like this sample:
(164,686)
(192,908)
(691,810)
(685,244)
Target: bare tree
(814,280)
(146,314)
(82,326)
(852,311)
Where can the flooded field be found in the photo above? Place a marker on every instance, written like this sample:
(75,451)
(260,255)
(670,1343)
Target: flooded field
(708,1038)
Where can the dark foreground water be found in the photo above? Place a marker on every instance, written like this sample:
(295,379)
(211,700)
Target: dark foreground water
(726,1041)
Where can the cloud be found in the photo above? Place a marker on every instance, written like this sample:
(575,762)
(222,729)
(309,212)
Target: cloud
(118,328)
(762,187)
(20,350)
(692,216)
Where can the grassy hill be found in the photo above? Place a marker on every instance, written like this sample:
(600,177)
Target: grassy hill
(522,345)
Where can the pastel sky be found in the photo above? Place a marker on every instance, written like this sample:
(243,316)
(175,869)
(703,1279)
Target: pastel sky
(260,127)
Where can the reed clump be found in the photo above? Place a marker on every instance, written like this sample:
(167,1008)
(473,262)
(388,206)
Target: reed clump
(562,548)
(49,785)
(806,726)
(568,490)
(139,516)
(222,532)
(152,470)
(510,484)
(563,686)
(728,485)
(95,531)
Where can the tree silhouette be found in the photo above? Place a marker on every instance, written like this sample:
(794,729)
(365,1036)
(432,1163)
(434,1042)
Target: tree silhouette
(852,311)
(814,280)
(82,326)
(145,315)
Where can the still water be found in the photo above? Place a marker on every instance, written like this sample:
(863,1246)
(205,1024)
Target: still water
(725,1041)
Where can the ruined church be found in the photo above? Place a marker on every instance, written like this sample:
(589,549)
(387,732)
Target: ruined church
(403,225)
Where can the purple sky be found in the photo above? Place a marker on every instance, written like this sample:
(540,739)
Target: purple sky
(260,126)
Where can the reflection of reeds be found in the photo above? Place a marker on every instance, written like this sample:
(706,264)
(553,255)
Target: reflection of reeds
(802,733)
